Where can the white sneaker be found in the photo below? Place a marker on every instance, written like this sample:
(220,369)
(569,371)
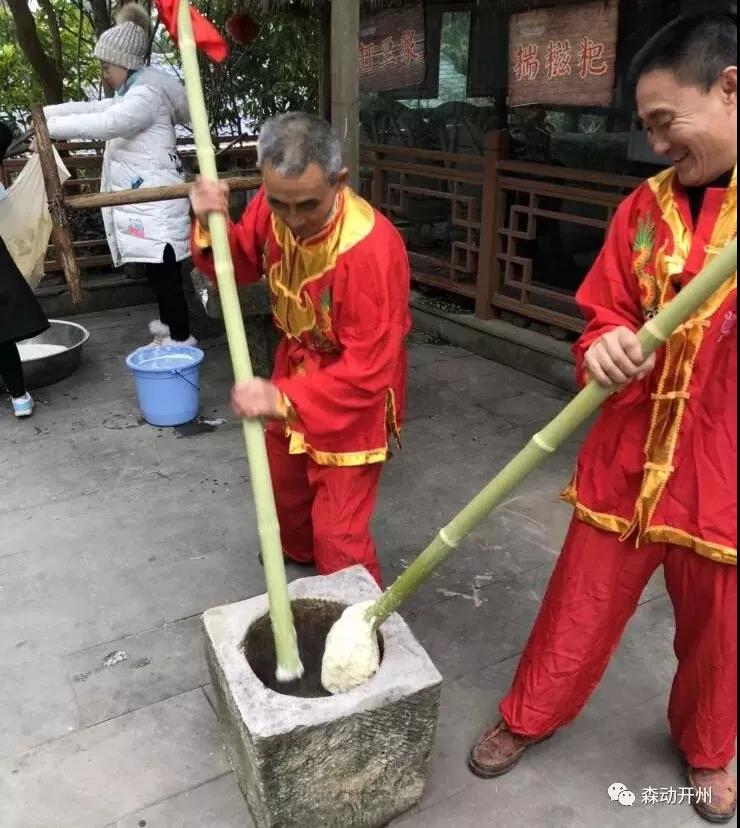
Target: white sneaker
(159,331)
(23,406)
(191,340)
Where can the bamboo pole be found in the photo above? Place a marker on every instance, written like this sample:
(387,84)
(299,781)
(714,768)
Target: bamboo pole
(289,665)
(63,241)
(96,201)
(544,443)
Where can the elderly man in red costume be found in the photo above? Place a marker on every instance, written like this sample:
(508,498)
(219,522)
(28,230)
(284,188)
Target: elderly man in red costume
(656,481)
(338,276)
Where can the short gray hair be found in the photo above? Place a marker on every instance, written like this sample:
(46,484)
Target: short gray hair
(290,142)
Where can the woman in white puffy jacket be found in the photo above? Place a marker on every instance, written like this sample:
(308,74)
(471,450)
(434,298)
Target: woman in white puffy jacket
(138,124)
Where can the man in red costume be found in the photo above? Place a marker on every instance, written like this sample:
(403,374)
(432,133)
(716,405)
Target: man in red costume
(656,481)
(338,276)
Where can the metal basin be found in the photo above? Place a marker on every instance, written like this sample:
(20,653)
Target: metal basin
(46,370)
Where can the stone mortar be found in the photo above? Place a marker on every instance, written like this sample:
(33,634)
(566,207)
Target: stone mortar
(355,760)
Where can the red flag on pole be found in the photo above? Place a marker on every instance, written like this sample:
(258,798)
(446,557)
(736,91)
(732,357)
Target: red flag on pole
(207,37)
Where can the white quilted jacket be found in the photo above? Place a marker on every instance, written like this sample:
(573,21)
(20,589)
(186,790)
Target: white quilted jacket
(138,125)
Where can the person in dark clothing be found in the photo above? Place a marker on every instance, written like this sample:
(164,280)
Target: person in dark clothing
(21,316)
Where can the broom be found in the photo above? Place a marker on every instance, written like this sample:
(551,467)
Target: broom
(354,640)
(289,665)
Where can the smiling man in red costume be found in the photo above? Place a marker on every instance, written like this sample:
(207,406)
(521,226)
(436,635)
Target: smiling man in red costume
(338,277)
(656,481)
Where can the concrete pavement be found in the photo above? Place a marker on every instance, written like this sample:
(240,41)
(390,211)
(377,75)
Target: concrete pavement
(115,536)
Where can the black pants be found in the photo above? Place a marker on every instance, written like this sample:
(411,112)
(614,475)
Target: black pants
(165,280)
(11,369)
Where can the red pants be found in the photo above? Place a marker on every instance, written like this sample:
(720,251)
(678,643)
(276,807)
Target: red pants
(324,511)
(593,591)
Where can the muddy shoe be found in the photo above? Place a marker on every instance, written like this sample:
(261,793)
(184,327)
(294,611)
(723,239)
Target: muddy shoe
(714,794)
(497,751)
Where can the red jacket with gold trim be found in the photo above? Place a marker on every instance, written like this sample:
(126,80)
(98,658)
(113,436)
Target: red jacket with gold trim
(341,301)
(660,464)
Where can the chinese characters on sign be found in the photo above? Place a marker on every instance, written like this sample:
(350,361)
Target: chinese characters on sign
(526,62)
(558,63)
(563,55)
(558,59)
(391,53)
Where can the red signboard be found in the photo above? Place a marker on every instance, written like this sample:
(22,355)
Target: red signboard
(564,55)
(391,53)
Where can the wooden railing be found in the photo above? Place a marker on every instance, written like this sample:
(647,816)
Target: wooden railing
(550,224)
(513,236)
(434,198)
(84,161)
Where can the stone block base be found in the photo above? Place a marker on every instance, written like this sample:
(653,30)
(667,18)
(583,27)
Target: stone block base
(355,760)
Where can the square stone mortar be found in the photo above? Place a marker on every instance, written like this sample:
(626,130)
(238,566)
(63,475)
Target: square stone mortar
(354,760)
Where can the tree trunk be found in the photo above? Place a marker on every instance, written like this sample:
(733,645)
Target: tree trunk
(100,16)
(101,22)
(78,62)
(325,64)
(28,39)
(56,35)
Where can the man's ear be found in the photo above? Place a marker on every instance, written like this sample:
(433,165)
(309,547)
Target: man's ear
(342,178)
(728,84)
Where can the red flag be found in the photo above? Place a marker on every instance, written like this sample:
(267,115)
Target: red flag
(207,37)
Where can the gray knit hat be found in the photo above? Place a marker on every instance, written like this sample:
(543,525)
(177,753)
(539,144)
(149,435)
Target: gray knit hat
(127,43)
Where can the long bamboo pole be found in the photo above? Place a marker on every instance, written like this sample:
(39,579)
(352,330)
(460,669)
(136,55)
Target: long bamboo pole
(544,443)
(170,192)
(289,665)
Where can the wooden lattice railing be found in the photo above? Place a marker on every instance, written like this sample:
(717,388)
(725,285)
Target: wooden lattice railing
(550,224)
(513,236)
(434,198)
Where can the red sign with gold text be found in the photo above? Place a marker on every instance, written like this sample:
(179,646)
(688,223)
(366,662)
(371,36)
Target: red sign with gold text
(391,54)
(564,55)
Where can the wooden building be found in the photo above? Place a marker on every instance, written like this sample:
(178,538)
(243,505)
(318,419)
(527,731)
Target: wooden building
(499,135)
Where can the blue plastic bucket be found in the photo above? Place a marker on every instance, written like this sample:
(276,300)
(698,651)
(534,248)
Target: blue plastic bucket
(167,383)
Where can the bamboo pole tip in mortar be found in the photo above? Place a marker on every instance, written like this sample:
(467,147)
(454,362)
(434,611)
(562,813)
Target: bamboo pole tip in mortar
(287,674)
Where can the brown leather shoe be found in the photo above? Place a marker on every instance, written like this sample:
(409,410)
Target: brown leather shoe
(715,793)
(497,751)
